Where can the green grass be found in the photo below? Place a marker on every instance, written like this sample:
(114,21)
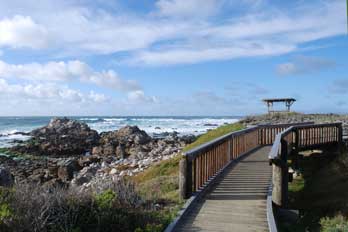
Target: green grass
(213,134)
(160,182)
(17,155)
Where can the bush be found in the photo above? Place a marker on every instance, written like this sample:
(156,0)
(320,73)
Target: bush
(110,207)
(335,224)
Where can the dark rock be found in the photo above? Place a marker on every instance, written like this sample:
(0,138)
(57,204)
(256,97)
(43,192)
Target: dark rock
(187,139)
(54,184)
(6,178)
(87,160)
(61,137)
(120,151)
(21,133)
(210,124)
(67,168)
(121,143)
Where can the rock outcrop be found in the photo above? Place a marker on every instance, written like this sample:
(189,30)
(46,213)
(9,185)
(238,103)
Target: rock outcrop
(122,143)
(6,178)
(69,153)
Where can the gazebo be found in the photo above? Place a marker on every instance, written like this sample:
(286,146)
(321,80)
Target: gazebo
(288,102)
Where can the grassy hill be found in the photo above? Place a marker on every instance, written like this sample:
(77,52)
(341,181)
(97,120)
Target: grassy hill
(213,134)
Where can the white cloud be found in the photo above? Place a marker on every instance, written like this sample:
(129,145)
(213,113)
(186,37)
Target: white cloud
(304,65)
(188,8)
(75,28)
(96,97)
(190,56)
(66,71)
(20,31)
(47,92)
(139,96)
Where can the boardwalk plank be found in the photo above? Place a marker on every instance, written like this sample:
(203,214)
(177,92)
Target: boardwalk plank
(237,202)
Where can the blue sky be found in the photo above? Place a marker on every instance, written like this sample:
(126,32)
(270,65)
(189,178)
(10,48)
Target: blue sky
(171,57)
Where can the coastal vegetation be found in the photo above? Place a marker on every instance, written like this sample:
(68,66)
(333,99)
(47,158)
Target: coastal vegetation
(113,207)
(319,193)
(215,133)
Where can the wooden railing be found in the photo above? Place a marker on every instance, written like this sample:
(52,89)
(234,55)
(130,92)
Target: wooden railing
(268,133)
(288,143)
(203,163)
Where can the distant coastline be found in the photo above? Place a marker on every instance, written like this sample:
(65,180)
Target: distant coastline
(153,125)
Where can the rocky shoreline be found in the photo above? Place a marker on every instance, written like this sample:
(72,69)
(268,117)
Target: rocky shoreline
(68,153)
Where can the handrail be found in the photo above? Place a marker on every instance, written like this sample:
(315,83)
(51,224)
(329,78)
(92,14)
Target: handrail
(288,143)
(203,163)
(286,124)
(214,142)
(277,143)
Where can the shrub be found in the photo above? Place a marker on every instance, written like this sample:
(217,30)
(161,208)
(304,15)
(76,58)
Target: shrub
(105,199)
(113,206)
(335,224)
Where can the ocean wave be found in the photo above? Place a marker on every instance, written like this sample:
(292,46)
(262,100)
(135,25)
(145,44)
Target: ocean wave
(8,132)
(89,119)
(114,119)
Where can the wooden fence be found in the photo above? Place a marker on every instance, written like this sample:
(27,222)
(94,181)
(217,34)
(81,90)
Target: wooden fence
(203,163)
(288,143)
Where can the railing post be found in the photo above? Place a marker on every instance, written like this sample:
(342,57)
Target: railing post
(280,177)
(296,149)
(228,150)
(182,177)
(185,178)
(340,136)
(285,172)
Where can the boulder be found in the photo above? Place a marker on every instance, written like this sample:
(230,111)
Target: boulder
(6,178)
(85,161)
(67,168)
(122,143)
(85,175)
(61,137)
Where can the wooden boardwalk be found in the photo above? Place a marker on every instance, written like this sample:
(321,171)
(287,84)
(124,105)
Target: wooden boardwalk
(237,201)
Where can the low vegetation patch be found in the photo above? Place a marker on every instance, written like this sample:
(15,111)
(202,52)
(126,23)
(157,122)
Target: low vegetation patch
(115,207)
(160,182)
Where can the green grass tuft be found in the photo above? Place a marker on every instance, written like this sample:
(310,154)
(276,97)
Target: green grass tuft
(160,182)
(334,224)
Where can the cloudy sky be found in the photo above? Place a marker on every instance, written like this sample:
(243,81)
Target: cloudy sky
(171,57)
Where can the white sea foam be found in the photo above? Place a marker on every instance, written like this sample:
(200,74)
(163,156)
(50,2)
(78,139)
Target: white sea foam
(161,125)
(152,125)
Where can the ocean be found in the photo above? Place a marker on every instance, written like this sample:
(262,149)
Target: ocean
(152,125)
